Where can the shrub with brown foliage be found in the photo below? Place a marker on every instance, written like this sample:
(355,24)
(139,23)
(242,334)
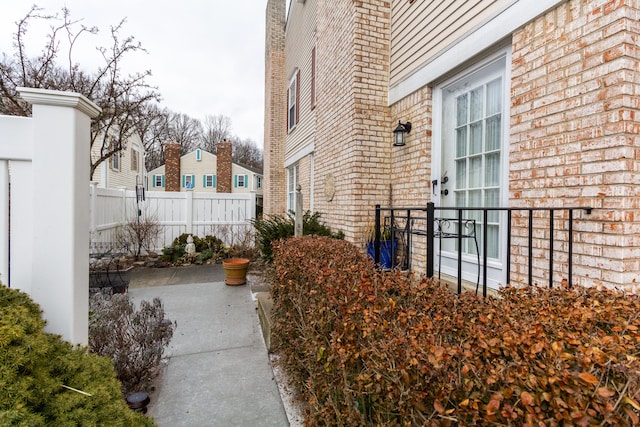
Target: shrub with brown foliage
(369,348)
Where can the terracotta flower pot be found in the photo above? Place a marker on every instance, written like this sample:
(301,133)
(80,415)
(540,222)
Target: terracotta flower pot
(235,271)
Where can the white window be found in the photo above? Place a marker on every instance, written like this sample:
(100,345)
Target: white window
(293,98)
(209,181)
(241,181)
(158,181)
(188,181)
(135,159)
(292,184)
(258,182)
(115,161)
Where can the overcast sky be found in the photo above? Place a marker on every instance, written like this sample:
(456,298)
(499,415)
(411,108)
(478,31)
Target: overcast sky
(206,56)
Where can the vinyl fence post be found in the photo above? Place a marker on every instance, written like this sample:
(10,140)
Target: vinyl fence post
(189,211)
(60,263)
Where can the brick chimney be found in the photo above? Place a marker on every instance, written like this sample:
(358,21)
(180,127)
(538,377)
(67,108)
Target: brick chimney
(172,166)
(223,166)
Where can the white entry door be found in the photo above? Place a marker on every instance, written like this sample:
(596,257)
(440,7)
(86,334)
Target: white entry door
(470,166)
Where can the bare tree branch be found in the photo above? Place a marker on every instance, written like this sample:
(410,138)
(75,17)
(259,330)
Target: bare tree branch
(123,98)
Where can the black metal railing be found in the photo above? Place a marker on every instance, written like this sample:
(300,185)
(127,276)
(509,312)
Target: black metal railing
(407,224)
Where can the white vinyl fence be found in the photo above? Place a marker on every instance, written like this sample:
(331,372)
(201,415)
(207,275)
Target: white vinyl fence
(197,213)
(44,223)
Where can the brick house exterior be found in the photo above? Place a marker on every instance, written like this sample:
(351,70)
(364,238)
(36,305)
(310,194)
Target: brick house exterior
(549,91)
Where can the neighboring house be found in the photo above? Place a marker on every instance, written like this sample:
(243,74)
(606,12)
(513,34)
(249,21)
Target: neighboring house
(121,170)
(202,171)
(513,103)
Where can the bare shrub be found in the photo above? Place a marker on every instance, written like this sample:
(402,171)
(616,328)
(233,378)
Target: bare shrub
(240,239)
(134,339)
(139,234)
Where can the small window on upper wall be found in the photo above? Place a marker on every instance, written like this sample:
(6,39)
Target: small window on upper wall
(135,159)
(293,101)
(198,154)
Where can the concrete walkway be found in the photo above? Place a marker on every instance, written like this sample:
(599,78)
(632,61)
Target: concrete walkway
(218,372)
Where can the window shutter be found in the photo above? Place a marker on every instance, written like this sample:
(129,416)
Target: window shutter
(235,181)
(204,181)
(215,179)
(198,154)
(297,96)
(193,181)
(246,181)
(184,179)
(162,181)
(153,181)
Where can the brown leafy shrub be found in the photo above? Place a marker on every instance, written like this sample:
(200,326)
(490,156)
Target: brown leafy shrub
(367,348)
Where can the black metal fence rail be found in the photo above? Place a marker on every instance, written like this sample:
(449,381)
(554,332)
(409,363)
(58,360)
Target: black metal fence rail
(406,223)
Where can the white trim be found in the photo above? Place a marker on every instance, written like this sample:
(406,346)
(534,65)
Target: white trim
(502,25)
(299,154)
(59,98)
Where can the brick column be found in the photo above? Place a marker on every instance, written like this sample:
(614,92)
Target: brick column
(275,109)
(172,166)
(223,167)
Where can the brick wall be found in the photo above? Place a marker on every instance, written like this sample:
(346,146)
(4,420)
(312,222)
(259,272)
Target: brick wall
(172,166)
(411,164)
(353,125)
(574,131)
(274,109)
(224,151)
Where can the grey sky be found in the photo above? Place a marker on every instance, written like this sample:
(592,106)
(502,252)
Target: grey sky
(206,56)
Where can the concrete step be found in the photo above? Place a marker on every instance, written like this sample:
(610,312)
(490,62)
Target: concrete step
(265,305)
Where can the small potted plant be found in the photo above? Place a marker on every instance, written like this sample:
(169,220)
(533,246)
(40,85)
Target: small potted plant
(388,247)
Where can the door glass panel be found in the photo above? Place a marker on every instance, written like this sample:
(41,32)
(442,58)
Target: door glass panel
(461,142)
(461,174)
(475,141)
(461,110)
(494,97)
(477,102)
(475,172)
(494,126)
(492,171)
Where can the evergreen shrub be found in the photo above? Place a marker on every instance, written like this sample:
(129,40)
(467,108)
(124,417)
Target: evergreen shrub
(38,371)
(380,348)
(277,227)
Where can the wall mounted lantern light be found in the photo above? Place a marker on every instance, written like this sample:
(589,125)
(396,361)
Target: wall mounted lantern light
(398,133)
